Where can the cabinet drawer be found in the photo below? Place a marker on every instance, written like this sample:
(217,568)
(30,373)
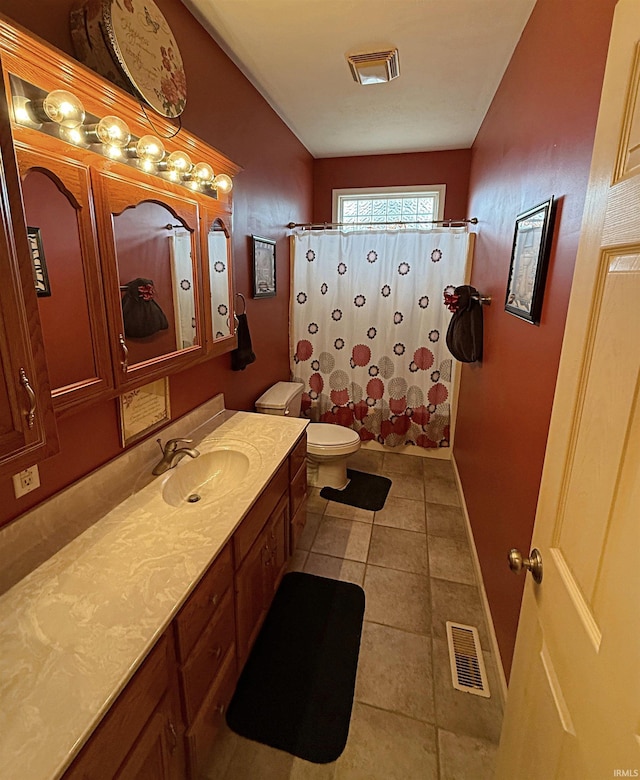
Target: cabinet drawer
(298,489)
(254,522)
(298,457)
(203,602)
(206,657)
(202,734)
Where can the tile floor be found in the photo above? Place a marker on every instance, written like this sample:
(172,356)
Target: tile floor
(413,560)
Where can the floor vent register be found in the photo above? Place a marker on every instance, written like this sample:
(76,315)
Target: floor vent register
(468,671)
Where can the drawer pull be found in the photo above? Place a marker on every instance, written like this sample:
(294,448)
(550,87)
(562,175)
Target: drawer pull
(31,414)
(124,363)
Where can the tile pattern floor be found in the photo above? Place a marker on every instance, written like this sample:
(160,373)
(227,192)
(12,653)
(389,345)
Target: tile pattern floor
(413,560)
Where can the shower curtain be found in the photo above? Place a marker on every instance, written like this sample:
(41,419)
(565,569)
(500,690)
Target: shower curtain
(368,327)
(183,292)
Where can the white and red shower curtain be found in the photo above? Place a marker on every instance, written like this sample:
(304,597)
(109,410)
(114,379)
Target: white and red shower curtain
(368,327)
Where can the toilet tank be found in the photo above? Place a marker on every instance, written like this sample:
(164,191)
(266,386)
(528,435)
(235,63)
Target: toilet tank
(283,398)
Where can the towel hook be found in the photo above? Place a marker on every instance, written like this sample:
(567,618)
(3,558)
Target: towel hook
(244,302)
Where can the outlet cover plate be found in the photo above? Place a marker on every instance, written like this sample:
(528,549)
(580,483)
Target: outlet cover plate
(26,481)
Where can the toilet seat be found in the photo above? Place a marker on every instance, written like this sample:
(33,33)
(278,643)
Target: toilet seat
(331,440)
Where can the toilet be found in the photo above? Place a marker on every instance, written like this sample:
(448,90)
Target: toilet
(328,445)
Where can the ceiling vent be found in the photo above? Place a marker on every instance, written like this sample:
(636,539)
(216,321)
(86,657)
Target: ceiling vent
(375,67)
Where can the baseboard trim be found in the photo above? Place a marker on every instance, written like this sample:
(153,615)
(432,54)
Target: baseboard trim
(502,680)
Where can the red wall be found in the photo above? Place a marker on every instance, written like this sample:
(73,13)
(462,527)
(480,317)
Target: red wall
(389,170)
(274,188)
(535,141)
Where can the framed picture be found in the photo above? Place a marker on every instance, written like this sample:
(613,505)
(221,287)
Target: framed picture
(143,410)
(529,260)
(43,288)
(264,267)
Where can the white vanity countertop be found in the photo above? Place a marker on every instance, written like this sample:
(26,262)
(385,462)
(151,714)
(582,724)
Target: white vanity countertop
(73,632)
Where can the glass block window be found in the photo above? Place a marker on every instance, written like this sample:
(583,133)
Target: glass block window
(414,207)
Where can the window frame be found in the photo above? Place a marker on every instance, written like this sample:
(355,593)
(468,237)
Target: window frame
(416,190)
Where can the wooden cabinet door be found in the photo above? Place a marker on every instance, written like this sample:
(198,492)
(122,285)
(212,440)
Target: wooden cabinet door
(259,576)
(278,546)
(27,424)
(252,587)
(159,750)
(57,201)
(144,724)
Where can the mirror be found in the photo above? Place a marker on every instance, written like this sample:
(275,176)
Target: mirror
(155,254)
(219,258)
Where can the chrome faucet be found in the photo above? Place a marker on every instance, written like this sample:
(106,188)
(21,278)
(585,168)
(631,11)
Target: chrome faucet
(172,454)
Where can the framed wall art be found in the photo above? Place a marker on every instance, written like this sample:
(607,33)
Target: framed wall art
(143,410)
(264,267)
(529,260)
(43,288)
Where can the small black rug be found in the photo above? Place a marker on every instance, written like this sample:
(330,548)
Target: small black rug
(366,491)
(296,690)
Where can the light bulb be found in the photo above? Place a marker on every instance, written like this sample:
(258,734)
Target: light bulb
(63,107)
(111,130)
(72,134)
(22,112)
(179,162)
(150,149)
(223,183)
(203,172)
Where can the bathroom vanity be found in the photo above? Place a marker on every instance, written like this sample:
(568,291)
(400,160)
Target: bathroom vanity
(120,654)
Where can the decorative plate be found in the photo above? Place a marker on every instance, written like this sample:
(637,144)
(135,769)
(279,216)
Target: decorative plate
(145,49)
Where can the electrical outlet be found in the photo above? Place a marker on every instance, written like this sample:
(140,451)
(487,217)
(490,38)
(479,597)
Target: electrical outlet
(26,481)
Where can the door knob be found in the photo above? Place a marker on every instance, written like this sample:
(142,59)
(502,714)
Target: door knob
(517,562)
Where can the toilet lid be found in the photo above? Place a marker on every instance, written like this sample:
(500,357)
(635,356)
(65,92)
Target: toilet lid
(329,435)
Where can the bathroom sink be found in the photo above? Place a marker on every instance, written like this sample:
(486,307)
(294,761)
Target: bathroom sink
(210,475)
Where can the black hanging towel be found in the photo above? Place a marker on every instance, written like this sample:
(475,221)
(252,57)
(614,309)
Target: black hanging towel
(141,315)
(464,334)
(243,355)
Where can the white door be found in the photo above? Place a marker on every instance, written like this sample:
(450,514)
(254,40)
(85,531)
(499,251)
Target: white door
(573,709)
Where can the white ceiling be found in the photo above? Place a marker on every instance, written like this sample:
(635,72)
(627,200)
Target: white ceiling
(452,53)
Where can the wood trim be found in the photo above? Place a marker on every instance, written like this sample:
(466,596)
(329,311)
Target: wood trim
(37,62)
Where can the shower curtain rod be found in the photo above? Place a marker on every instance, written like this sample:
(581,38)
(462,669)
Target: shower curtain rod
(324,225)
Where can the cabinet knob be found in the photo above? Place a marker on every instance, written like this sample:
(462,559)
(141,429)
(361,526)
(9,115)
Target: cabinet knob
(217,651)
(214,599)
(220,709)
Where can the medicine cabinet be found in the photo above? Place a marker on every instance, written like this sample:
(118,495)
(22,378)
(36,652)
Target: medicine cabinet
(131,253)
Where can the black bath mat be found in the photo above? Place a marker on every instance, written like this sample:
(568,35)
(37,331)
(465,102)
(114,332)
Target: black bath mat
(366,491)
(296,690)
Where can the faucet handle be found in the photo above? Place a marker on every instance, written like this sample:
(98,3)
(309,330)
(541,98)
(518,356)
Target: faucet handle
(172,444)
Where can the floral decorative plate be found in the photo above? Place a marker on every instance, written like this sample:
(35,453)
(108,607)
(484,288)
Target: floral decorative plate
(146,50)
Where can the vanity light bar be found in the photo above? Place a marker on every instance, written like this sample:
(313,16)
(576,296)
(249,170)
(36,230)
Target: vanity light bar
(62,108)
